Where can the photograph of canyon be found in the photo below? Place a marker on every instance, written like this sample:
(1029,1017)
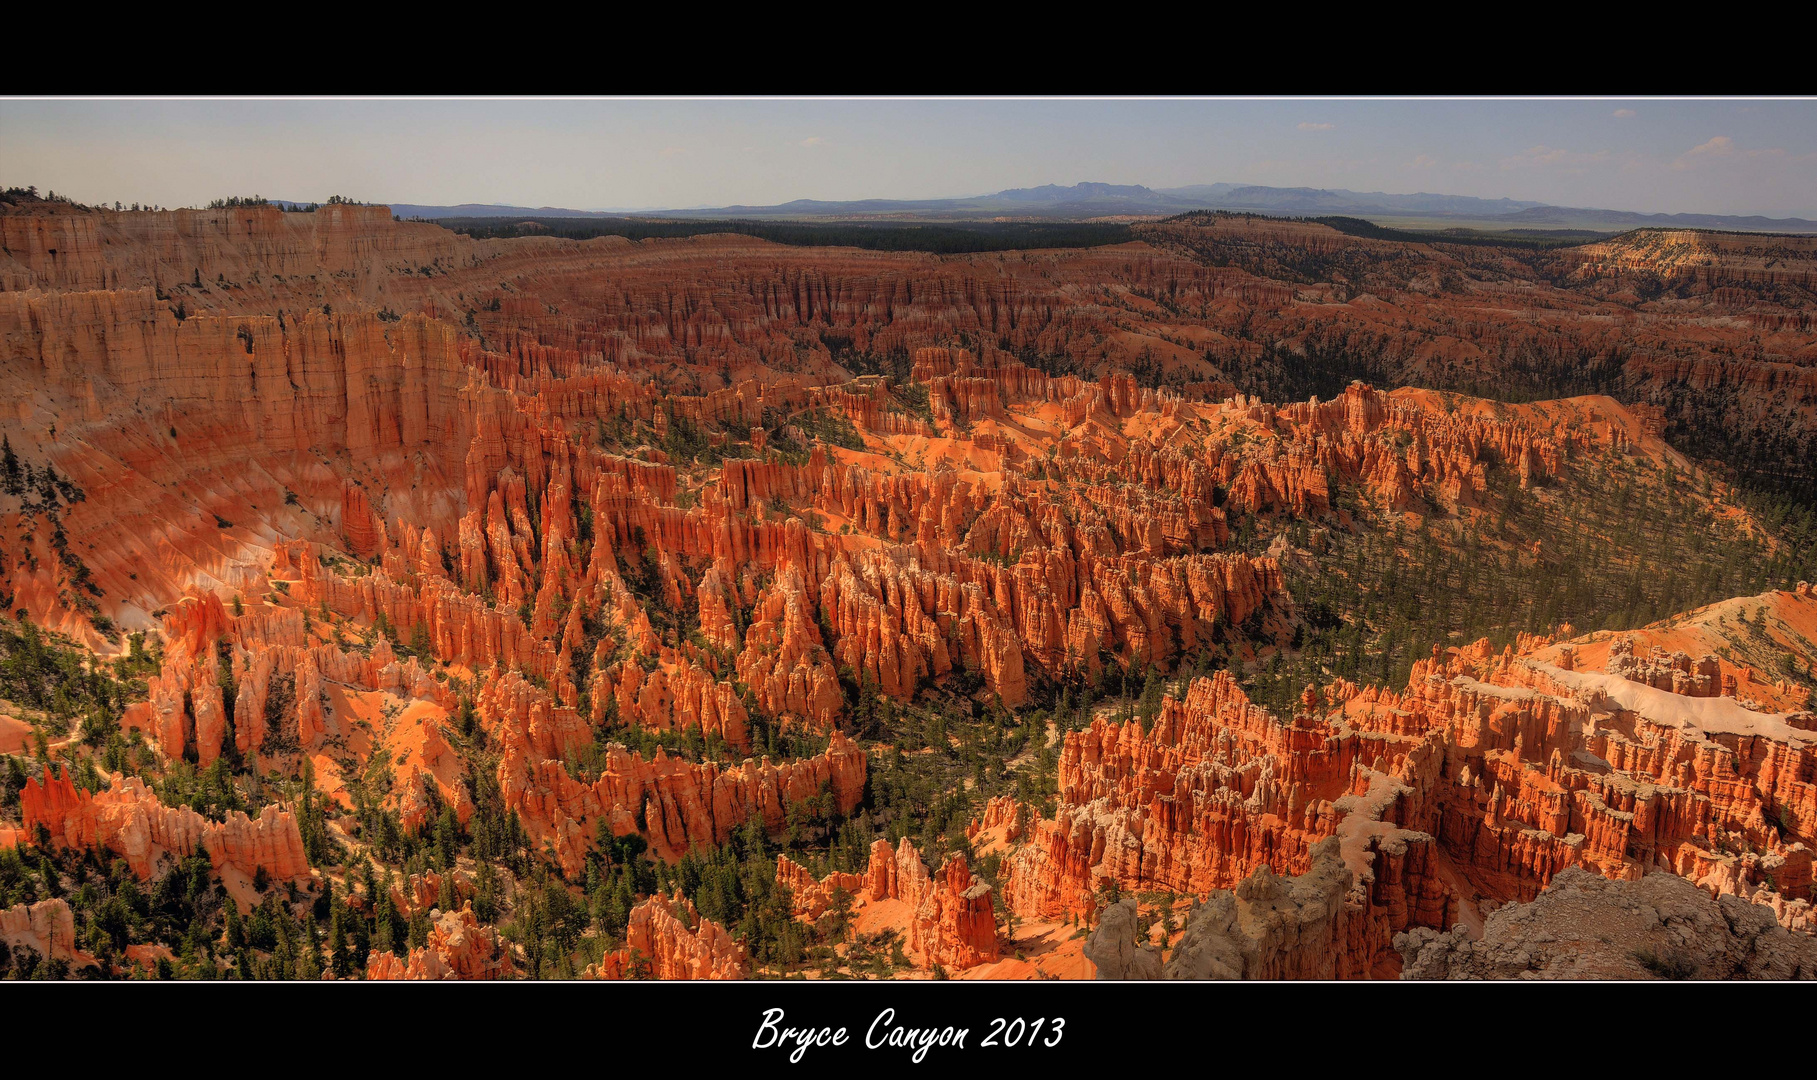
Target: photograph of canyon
(908,539)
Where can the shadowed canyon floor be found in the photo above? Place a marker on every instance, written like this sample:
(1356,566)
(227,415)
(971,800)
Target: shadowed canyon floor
(1252,601)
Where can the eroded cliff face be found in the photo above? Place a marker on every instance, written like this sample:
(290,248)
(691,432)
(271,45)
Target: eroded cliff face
(1645,317)
(600,550)
(1514,768)
(1316,925)
(1220,790)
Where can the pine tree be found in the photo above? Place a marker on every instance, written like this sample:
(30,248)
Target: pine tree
(339,958)
(1150,705)
(11,480)
(309,964)
(236,931)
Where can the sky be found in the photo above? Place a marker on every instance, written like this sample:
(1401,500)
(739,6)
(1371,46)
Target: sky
(1727,156)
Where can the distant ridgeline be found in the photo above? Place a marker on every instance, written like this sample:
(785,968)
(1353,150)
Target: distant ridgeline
(942,238)
(1538,239)
(1528,238)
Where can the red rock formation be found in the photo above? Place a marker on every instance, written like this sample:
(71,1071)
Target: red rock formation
(128,820)
(784,661)
(459,947)
(810,897)
(47,926)
(1003,813)
(955,925)
(667,939)
(952,922)
(675,696)
(675,804)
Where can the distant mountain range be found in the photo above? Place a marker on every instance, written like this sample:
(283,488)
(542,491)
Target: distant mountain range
(1555,217)
(1095,200)
(413,210)
(1300,200)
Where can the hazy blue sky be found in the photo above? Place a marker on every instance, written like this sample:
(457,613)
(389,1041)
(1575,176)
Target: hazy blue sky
(1730,157)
